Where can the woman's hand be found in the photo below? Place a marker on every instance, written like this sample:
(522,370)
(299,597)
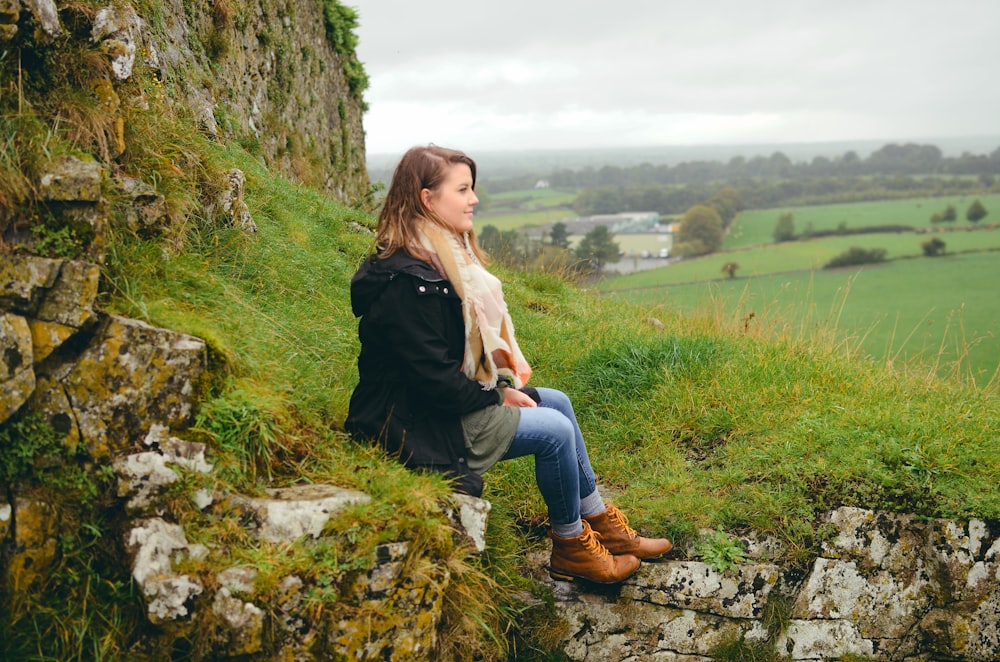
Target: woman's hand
(514,398)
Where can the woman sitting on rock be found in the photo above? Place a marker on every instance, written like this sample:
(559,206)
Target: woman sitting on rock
(442,379)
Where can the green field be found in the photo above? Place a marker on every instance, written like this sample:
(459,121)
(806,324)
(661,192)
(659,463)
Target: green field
(944,311)
(756,227)
(936,310)
(794,255)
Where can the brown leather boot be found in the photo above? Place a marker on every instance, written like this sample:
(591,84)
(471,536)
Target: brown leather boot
(584,557)
(619,538)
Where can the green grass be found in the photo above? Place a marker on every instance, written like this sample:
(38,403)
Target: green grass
(755,227)
(940,311)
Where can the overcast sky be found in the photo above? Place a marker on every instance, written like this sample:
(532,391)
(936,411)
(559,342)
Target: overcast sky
(514,74)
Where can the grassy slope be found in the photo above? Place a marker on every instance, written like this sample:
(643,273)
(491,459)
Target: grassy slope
(277,305)
(698,423)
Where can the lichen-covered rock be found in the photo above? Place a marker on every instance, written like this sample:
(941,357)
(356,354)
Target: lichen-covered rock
(469,516)
(50,400)
(885,587)
(291,92)
(240,628)
(602,630)
(132,376)
(154,545)
(292,513)
(62,292)
(147,211)
(118,30)
(10,13)
(6,513)
(229,205)
(821,639)
(70,299)
(46,16)
(17,376)
(143,476)
(396,613)
(71,179)
(35,549)
(740,593)
(883,604)
(23,281)
(47,337)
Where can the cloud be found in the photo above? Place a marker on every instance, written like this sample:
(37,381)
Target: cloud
(637,72)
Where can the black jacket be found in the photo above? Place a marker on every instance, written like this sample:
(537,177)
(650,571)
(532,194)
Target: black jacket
(412,392)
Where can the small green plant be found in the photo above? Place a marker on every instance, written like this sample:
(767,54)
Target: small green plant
(22,442)
(62,241)
(242,426)
(720,550)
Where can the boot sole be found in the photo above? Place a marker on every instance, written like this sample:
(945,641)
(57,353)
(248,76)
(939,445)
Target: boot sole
(563,577)
(657,557)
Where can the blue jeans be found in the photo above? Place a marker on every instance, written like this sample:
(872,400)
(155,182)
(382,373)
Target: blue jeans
(562,469)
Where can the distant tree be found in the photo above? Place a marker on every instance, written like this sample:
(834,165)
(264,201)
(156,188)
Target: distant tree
(502,246)
(730,269)
(599,248)
(784,229)
(489,239)
(701,231)
(559,236)
(603,200)
(947,216)
(933,247)
(976,211)
(728,203)
(856,255)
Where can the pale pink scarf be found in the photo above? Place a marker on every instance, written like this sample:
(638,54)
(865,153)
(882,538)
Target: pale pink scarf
(491,351)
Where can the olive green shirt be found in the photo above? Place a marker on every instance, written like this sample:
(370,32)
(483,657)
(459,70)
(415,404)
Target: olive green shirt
(489,433)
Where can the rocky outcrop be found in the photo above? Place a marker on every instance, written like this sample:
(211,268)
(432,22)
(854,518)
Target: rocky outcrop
(223,605)
(885,587)
(263,71)
(272,73)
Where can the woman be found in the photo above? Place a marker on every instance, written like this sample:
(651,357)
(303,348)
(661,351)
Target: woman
(442,379)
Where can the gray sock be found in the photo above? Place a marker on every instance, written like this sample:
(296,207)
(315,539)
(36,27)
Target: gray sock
(592,504)
(571,530)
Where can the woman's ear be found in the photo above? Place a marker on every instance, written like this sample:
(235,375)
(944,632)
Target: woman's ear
(426,195)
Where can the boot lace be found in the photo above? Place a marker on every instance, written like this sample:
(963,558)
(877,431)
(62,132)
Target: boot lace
(592,543)
(619,519)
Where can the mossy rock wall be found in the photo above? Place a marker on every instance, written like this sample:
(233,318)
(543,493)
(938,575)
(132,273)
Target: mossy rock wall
(266,73)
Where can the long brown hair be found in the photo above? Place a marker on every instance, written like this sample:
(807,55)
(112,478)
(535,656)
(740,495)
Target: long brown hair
(420,168)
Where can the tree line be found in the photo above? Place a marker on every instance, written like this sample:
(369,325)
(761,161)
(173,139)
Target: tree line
(890,160)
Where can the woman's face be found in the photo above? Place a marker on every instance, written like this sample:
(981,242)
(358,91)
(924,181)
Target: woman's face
(454,200)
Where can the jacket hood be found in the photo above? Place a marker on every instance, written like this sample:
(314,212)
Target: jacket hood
(376,272)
